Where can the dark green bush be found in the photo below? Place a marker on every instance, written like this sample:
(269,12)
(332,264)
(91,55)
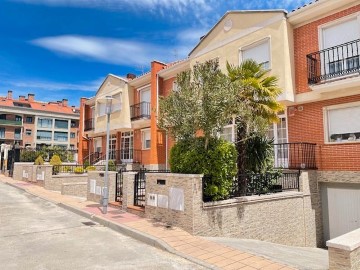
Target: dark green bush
(217,163)
(111,165)
(28,156)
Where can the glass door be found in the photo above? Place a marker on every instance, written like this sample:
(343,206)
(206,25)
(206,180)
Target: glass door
(112,147)
(127,142)
(278,132)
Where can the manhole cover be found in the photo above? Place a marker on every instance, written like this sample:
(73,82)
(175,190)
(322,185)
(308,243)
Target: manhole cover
(88,223)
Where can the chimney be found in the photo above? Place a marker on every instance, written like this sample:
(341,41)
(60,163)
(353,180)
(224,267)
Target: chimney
(22,98)
(9,95)
(64,102)
(31,97)
(130,76)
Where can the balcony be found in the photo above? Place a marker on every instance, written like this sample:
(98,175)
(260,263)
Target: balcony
(295,156)
(4,122)
(140,110)
(334,63)
(89,124)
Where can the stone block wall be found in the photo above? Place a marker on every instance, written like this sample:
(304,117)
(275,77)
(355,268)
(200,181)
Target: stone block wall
(78,189)
(289,218)
(189,185)
(352,177)
(55,182)
(344,251)
(27,171)
(128,189)
(96,178)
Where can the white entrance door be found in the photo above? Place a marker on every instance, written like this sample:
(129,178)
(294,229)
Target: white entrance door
(127,142)
(340,209)
(112,147)
(278,132)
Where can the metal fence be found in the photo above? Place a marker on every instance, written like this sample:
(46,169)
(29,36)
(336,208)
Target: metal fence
(257,184)
(79,169)
(140,110)
(295,156)
(334,62)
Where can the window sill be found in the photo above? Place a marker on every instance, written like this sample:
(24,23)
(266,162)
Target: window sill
(144,149)
(342,142)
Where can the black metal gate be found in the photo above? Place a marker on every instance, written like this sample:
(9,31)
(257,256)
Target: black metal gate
(119,186)
(139,188)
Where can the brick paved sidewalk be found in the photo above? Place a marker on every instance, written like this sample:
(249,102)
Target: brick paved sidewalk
(172,239)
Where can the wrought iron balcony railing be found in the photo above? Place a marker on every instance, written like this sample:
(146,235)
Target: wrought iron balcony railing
(140,110)
(299,156)
(89,124)
(334,62)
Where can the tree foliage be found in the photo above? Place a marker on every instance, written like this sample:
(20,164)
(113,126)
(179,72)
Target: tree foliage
(201,103)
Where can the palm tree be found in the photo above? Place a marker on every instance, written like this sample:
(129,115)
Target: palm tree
(255,93)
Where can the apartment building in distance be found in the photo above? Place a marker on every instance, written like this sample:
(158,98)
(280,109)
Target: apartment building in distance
(34,124)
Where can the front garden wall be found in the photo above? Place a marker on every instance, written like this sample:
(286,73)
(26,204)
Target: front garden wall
(289,218)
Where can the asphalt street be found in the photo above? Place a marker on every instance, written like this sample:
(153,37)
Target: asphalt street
(36,234)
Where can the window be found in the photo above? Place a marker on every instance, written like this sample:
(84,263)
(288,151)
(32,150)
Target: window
(61,124)
(145,95)
(72,135)
(72,147)
(101,108)
(117,105)
(175,87)
(60,136)
(74,124)
(3,116)
(18,118)
(17,134)
(146,139)
(2,133)
(28,119)
(228,132)
(259,53)
(43,135)
(28,132)
(343,123)
(44,123)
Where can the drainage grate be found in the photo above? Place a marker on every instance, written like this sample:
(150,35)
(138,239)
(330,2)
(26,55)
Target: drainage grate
(88,223)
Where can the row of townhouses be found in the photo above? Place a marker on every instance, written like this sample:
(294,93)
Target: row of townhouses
(33,124)
(313,50)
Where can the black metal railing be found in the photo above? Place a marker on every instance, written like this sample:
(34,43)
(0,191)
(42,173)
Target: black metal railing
(89,124)
(258,184)
(295,156)
(118,156)
(80,169)
(119,185)
(333,62)
(140,110)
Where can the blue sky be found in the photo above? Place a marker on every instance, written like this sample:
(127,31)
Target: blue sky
(64,48)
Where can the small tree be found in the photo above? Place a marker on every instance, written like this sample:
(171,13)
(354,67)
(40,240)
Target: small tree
(39,161)
(56,162)
(201,103)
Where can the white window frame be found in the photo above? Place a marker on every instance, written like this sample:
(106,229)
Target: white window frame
(141,91)
(334,23)
(255,44)
(233,131)
(326,121)
(175,87)
(143,140)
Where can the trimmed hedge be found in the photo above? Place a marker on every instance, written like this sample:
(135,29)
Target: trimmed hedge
(217,163)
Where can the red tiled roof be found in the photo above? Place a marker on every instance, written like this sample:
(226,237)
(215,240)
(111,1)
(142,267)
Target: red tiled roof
(40,106)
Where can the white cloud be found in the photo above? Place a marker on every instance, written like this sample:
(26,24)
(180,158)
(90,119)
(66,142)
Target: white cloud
(30,85)
(107,50)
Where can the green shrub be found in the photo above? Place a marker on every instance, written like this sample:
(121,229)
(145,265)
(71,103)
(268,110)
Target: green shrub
(86,163)
(55,161)
(79,170)
(67,169)
(28,156)
(259,154)
(217,163)
(111,165)
(90,168)
(39,161)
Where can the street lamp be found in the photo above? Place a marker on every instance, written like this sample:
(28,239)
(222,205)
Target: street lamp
(108,101)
